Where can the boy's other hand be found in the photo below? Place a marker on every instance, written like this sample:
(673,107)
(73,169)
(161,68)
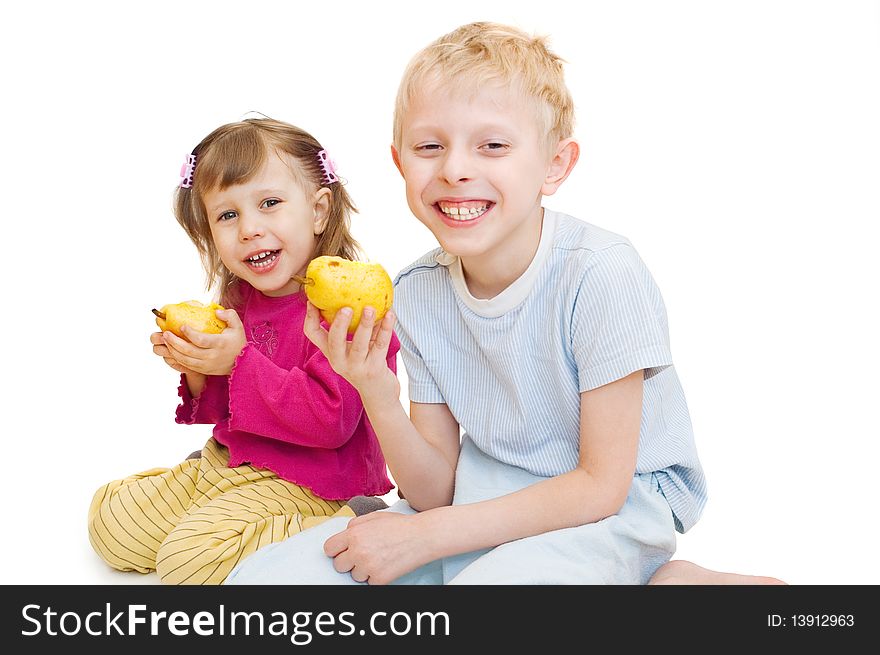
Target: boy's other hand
(379,547)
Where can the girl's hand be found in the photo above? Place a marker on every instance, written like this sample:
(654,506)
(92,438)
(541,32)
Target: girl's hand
(159,348)
(209,354)
(379,547)
(363,360)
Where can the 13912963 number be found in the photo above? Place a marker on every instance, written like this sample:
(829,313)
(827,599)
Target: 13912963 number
(822,620)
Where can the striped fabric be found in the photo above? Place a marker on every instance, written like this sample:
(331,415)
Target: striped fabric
(193,523)
(511,368)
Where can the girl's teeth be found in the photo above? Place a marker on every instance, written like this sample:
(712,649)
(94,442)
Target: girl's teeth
(263,259)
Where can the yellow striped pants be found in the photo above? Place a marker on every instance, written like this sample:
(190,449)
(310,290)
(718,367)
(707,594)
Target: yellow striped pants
(193,523)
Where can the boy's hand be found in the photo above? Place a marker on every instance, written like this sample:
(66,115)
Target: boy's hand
(379,547)
(208,354)
(363,360)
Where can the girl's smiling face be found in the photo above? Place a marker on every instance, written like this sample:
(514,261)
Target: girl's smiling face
(265,229)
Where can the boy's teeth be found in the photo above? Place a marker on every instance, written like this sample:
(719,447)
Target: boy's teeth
(463,213)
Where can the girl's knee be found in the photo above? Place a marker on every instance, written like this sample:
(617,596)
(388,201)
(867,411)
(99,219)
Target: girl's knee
(187,557)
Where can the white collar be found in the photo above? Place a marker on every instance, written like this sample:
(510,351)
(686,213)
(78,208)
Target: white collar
(518,290)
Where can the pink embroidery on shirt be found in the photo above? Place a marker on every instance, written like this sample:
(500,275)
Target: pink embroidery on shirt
(265,338)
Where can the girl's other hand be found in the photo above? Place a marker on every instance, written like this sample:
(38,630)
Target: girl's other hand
(209,354)
(363,361)
(161,349)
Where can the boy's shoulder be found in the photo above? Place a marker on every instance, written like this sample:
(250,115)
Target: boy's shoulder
(431,263)
(577,235)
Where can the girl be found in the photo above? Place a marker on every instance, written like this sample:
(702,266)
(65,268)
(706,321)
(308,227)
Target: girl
(291,443)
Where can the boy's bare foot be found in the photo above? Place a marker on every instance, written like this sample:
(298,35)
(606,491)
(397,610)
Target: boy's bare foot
(687,573)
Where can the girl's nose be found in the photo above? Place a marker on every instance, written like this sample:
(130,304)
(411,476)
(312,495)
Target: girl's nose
(250,226)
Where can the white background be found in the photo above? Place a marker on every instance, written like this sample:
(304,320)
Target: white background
(737,144)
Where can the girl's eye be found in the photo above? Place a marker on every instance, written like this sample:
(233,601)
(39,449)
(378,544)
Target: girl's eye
(271,202)
(428,147)
(496,146)
(226,216)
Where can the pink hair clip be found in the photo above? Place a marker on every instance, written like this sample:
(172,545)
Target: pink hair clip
(328,167)
(187,171)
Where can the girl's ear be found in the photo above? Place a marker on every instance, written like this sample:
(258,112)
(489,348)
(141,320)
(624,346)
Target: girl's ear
(323,198)
(564,159)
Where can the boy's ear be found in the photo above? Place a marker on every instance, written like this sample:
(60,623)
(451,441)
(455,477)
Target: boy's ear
(564,159)
(396,157)
(322,209)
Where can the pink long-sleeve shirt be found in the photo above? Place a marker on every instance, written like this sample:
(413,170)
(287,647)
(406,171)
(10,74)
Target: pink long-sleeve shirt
(285,409)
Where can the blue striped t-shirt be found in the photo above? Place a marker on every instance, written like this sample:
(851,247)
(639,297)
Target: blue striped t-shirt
(586,312)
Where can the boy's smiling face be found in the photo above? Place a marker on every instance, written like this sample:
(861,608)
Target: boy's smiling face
(476,165)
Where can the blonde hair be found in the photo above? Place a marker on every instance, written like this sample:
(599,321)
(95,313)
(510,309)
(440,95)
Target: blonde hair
(479,53)
(233,154)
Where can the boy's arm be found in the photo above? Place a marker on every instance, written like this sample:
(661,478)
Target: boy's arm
(610,418)
(382,546)
(421,453)
(421,449)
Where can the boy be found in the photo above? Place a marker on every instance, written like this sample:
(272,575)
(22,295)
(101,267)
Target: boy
(542,338)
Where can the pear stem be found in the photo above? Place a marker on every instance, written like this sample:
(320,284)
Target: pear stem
(305,281)
(158,313)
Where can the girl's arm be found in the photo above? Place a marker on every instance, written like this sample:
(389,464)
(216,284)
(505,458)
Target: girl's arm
(381,546)
(309,405)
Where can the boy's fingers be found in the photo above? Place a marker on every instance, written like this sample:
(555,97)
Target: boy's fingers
(336,544)
(337,341)
(312,328)
(383,336)
(360,343)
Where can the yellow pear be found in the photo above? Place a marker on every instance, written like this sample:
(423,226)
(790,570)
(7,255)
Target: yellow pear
(191,313)
(332,283)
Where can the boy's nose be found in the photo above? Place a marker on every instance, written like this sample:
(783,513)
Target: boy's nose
(457,167)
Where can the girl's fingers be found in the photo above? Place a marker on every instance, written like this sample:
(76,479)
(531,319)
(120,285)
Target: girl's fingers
(178,345)
(230,317)
(199,338)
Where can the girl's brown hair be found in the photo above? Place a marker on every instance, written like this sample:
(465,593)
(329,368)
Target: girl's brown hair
(233,154)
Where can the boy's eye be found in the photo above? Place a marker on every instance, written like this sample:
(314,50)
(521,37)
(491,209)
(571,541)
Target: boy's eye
(495,146)
(428,146)
(271,202)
